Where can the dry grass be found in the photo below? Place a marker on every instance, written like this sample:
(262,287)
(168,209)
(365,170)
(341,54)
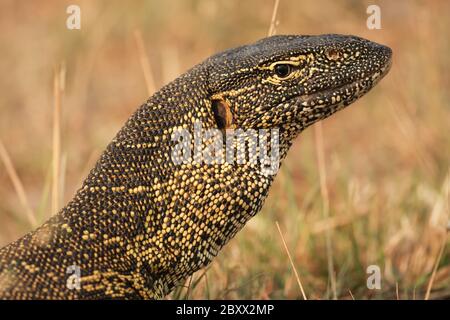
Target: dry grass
(17,184)
(386,159)
(145,64)
(58,91)
(433,274)
(325,204)
(297,277)
(273,21)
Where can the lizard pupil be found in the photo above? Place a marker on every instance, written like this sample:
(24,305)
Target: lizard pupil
(282,70)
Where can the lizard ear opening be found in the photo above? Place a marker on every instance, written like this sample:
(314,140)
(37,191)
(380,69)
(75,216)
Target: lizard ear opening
(222,114)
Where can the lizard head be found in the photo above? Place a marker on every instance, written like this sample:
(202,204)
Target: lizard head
(290,82)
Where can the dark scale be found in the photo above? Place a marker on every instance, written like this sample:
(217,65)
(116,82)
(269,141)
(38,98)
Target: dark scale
(142,224)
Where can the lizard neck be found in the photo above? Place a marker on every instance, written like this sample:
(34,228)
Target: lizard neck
(141,223)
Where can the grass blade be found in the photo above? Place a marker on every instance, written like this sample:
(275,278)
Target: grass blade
(145,64)
(273,21)
(291,261)
(58,90)
(18,186)
(326,203)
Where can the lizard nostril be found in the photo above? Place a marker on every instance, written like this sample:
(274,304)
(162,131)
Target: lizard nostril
(333,54)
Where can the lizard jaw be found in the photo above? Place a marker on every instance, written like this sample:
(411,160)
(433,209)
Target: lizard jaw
(334,99)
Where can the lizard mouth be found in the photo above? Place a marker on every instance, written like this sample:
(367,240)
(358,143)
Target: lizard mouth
(319,105)
(343,95)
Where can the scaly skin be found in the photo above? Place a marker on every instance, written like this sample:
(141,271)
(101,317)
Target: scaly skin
(142,223)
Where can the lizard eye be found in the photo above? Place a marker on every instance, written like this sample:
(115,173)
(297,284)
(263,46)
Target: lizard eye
(283,70)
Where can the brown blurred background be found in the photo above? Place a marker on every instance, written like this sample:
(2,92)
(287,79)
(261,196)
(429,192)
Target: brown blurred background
(386,158)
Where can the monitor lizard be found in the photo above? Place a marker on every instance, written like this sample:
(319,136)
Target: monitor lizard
(141,222)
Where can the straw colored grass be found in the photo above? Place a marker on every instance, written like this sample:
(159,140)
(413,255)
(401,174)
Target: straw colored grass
(367,186)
